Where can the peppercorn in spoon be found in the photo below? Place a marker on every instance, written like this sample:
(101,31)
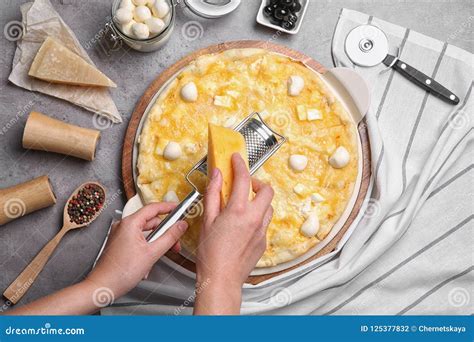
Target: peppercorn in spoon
(83,207)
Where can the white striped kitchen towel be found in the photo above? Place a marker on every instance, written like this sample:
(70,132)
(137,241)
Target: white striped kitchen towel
(412,251)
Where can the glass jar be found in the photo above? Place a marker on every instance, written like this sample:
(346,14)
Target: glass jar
(142,45)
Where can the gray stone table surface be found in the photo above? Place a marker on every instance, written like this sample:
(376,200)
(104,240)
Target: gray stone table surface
(22,239)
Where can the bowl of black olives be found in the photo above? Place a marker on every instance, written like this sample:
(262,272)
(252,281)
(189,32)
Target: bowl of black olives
(282,15)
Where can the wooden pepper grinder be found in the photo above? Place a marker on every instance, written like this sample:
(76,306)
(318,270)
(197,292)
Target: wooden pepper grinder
(47,134)
(22,199)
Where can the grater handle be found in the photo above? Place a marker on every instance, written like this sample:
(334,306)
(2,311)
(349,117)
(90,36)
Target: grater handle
(174,216)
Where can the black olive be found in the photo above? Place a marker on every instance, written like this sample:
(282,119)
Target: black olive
(295,6)
(280,13)
(268,11)
(286,2)
(275,21)
(291,18)
(288,25)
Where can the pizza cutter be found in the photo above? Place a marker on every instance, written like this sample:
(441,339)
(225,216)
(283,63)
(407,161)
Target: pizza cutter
(367,46)
(261,142)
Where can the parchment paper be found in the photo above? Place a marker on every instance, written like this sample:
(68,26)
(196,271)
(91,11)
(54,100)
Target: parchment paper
(41,20)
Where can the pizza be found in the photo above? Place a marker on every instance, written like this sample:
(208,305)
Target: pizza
(313,174)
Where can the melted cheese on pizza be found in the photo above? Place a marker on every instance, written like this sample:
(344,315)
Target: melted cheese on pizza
(230,86)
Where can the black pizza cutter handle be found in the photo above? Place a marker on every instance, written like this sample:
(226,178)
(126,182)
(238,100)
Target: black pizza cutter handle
(421,79)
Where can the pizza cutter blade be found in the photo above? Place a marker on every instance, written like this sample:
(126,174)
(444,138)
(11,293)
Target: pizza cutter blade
(367,45)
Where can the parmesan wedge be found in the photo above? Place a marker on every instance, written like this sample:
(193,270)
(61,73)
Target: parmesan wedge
(57,64)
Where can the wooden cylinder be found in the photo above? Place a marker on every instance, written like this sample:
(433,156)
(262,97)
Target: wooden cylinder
(47,134)
(22,199)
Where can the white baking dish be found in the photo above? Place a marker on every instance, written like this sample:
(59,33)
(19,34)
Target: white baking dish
(353,93)
(262,20)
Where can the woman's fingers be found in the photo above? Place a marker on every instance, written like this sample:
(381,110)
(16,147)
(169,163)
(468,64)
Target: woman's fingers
(176,247)
(212,198)
(152,224)
(263,196)
(257,185)
(267,218)
(161,245)
(261,231)
(240,182)
(151,210)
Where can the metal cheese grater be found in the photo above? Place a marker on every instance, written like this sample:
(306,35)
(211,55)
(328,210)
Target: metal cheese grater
(261,142)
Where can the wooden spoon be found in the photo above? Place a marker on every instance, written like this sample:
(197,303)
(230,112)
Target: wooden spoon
(23,282)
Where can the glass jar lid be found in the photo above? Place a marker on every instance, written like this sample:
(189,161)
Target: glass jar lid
(212,9)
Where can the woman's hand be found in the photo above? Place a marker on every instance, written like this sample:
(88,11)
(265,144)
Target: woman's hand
(128,257)
(126,260)
(231,241)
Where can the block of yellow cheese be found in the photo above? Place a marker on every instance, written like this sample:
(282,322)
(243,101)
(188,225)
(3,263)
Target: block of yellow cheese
(57,64)
(223,142)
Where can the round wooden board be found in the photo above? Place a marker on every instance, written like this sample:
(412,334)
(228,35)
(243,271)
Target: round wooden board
(155,86)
